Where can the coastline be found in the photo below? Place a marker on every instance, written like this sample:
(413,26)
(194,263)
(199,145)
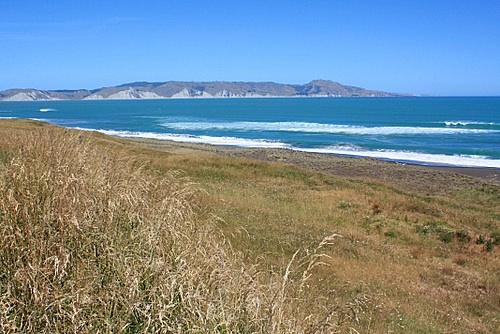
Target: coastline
(487,173)
(380,128)
(421,178)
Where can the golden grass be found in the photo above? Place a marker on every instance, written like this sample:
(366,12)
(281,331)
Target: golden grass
(93,241)
(412,258)
(98,234)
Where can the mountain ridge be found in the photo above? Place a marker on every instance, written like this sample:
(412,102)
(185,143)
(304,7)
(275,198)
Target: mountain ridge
(195,89)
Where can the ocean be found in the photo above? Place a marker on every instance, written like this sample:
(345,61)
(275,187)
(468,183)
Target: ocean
(456,131)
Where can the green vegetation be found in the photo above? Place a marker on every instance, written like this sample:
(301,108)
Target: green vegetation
(99,234)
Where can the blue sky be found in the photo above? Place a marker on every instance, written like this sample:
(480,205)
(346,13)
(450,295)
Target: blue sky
(439,47)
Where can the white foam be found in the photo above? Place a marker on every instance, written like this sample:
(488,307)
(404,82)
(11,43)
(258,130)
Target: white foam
(319,128)
(47,109)
(226,141)
(413,157)
(468,123)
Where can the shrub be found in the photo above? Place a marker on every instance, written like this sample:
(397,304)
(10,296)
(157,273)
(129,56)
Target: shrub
(489,245)
(390,233)
(462,235)
(445,235)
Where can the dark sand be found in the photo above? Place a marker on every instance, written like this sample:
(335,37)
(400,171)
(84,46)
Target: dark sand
(422,179)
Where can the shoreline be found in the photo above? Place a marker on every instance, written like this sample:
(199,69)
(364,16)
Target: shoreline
(427,179)
(488,173)
(403,157)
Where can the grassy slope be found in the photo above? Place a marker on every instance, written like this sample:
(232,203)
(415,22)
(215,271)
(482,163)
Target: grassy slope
(402,261)
(414,257)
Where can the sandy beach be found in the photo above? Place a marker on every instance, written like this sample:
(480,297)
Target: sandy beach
(423,179)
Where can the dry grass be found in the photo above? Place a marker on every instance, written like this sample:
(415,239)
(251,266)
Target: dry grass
(100,235)
(94,240)
(411,260)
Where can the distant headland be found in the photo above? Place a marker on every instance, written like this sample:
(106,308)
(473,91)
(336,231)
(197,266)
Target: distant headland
(184,89)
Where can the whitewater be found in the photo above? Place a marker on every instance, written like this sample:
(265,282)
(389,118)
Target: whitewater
(456,131)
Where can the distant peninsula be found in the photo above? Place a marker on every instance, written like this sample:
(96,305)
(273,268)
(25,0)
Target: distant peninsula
(183,89)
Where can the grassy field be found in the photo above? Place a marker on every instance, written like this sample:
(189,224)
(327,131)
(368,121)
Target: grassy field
(102,234)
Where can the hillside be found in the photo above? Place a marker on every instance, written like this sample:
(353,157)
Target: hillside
(102,234)
(181,89)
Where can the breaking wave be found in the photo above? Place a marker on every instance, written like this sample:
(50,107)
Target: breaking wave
(226,141)
(318,128)
(465,123)
(472,124)
(413,157)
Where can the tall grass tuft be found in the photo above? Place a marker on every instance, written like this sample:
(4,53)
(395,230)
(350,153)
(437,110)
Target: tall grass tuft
(92,242)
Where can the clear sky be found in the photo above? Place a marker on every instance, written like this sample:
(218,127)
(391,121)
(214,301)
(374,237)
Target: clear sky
(439,47)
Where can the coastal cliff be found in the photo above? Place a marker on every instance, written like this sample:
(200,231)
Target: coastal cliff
(182,89)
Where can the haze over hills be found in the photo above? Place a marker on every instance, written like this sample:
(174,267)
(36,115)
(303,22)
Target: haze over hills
(183,89)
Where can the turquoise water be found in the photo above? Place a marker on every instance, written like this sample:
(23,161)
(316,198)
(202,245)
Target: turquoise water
(458,131)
